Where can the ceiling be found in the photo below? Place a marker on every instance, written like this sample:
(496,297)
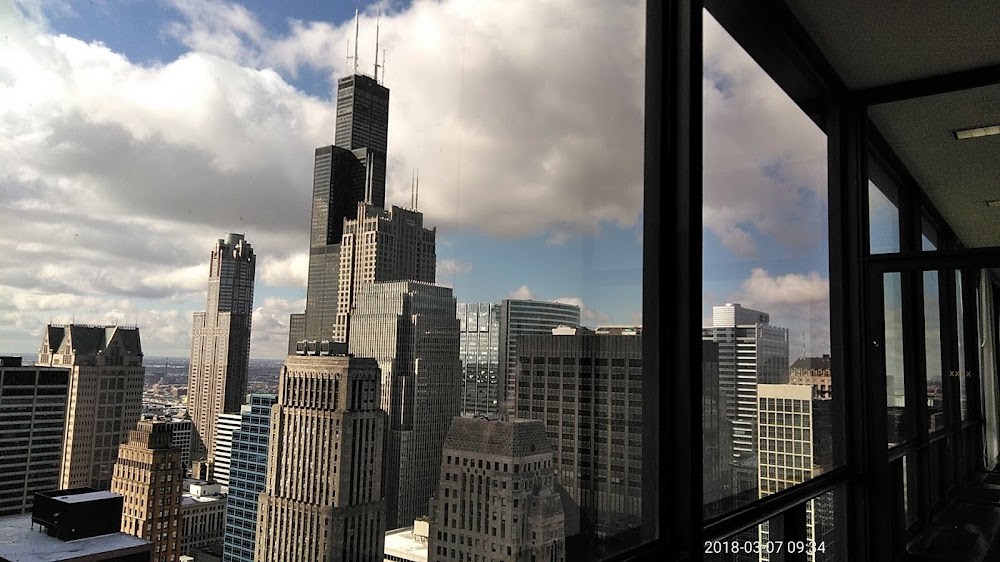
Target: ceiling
(877,43)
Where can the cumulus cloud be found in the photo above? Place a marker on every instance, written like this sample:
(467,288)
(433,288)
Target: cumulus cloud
(764,159)
(290,271)
(588,316)
(452,267)
(269,336)
(799,302)
(522,292)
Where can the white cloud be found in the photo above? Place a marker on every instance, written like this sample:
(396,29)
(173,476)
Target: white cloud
(522,292)
(269,335)
(452,267)
(588,316)
(290,271)
(799,302)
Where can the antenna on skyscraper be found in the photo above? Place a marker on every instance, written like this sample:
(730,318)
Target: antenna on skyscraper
(416,192)
(383,66)
(413,176)
(356,23)
(803,344)
(378,16)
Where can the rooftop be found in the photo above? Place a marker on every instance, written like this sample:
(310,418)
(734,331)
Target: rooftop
(20,541)
(401,543)
(85,497)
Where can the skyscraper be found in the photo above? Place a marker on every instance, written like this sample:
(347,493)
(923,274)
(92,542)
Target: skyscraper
(479,341)
(410,329)
(517,516)
(105,397)
(149,474)
(520,317)
(32,421)
(223,450)
(220,341)
(349,172)
(247,475)
(751,352)
(587,388)
(323,498)
(381,245)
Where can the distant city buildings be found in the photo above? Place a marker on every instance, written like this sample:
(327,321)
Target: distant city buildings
(479,350)
(32,422)
(247,477)
(77,525)
(323,499)
(410,329)
(751,352)
(496,499)
(587,389)
(717,435)
(814,372)
(104,400)
(220,341)
(520,317)
(148,475)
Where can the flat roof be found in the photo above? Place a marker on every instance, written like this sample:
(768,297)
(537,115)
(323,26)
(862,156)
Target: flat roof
(20,541)
(401,543)
(86,497)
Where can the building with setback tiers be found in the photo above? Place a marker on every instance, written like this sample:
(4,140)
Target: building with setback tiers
(323,499)
(410,329)
(496,499)
(104,400)
(32,422)
(149,475)
(220,341)
(587,389)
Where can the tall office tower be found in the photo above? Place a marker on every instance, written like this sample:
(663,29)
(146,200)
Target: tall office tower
(323,498)
(149,474)
(751,352)
(717,438)
(223,451)
(220,341)
(410,329)
(247,475)
(479,341)
(104,400)
(587,388)
(795,445)
(32,421)
(351,171)
(517,516)
(78,525)
(380,246)
(520,317)
(180,431)
(815,372)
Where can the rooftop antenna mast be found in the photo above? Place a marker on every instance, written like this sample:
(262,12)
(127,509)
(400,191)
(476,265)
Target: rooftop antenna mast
(355,57)
(416,192)
(378,16)
(413,176)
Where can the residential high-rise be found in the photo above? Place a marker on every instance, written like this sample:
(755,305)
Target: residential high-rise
(751,352)
(587,388)
(220,341)
(223,451)
(104,400)
(349,172)
(479,341)
(247,475)
(32,422)
(519,317)
(149,474)
(323,498)
(381,245)
(410,329)
(517,516)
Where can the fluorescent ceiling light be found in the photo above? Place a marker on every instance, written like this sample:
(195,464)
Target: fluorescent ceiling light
(977,132)
(993,203)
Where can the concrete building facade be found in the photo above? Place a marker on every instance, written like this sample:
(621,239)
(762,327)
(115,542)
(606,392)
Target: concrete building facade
(247,478)
(223,449)
(496,499)
(220,341)
(323,499)
(148,474)
(410,329)
(203,516)
(104,399)
(32,422)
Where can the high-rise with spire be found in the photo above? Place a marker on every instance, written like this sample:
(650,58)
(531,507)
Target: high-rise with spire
(220,346)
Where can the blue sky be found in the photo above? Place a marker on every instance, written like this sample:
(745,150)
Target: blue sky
(133,134)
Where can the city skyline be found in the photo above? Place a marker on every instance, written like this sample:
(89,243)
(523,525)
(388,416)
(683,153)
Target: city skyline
(230,151)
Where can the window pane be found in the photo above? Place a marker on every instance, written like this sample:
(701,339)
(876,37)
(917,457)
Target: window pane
(768,401)
(932,347)
(894,381)
(959,307)
(883,221)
